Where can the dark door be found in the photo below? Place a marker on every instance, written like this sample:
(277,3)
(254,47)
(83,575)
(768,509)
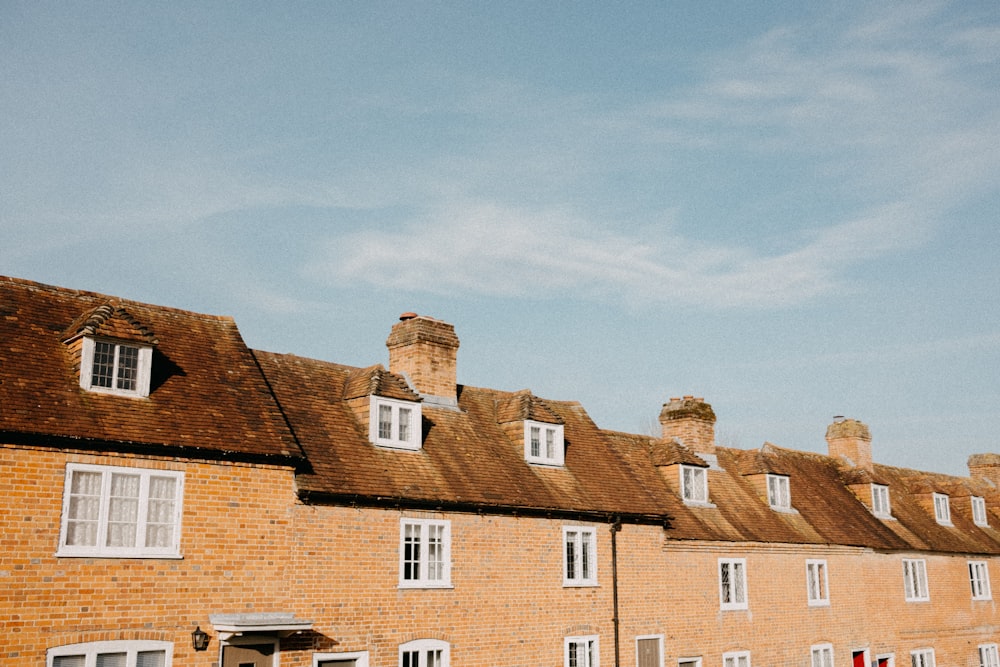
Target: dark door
(649,652)
(248,655)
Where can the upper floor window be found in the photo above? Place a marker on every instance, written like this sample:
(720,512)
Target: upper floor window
(424,653)
(979,511)
(988,656)
(111,654)
(942,509)
(922,658)
(880,501)
(121,512)
(115,368)
(778,494)
(580,557)
(736,659)
(424,553)
(694,484)
(979,579)
(822,655)
(915,580)
(543,443)
(816,583)
(395,423)
(733,583)
(581,652)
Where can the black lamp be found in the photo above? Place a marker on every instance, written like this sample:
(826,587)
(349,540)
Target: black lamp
(199,639)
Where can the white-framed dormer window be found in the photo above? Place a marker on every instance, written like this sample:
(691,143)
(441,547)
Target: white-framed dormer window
(119,512)
(115,368)
(779,496)
(694,485)
(979,511)
(136,653)
(736,659)
(579,556)
(942,509)
(395,423)
(988,655)
(880,501)
(915,580)
(424,653)
(581,652)
(543,443)
(424,553)
(822,655)
(922,658)
(816,583)
(979,579)
(733,583)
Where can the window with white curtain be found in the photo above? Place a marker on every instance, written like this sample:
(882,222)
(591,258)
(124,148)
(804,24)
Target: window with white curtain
(581,652)
(822,655)
(694,484)
(979,511)
(112,654)
(942,509)
(880,501)
(778,492)
(579,556)
(736,659)
(922,658)
(816,583)
(424,653)
(121,512)
(988,656)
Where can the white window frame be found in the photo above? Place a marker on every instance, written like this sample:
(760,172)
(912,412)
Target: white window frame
(90,651)
(779,492)
(591,653)
(659,647)
(143,368)
(733,592)
(736,659)
(923,657)
(579,556)
(424,577)
(942,509)
(817,583)
(694,485)
(411,438)
(988,655)
(979,512)
(881,506)
(551,449)
(360,658)
(979,580)
(915,580)
(101,523)
(689,662)
(821,655)
(422,647)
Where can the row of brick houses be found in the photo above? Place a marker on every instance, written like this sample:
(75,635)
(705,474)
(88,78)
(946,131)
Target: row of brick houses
(173,498)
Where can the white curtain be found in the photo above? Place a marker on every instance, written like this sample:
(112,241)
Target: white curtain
(123,510)
(84,509)
(160,512)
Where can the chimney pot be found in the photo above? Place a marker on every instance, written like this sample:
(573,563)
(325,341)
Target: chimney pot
(407,316)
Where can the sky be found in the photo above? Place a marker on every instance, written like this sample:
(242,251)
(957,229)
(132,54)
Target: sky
(787,208)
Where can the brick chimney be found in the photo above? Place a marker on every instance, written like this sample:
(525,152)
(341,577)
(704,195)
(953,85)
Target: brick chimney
(850,439)
(692,421)
(985,466)
(425,350)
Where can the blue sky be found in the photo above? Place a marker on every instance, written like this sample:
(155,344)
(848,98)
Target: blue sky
(789,208)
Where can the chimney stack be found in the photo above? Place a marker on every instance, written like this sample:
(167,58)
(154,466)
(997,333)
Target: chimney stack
(691,421)
(850,439)
(425,351)
(986,467)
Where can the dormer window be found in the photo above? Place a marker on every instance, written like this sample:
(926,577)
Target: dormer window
(979,511)
(694,485)
(543,443)
(395,423)
(778,493)
(880,501)
(115,367)
(942,509)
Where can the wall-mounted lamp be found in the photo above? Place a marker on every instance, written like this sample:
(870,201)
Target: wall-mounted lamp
(199,639)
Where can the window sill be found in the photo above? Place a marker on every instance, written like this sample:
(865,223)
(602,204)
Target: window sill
(410,585)
(700,503)
(580,584)
(104,555)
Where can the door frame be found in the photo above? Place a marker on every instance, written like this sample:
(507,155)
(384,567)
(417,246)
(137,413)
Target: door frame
(250,639)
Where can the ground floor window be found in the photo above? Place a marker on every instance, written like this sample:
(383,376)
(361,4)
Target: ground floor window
(359,659)
(581,652)
(922,658)
(112,654)
(424,653)
(736,659)
(988,656)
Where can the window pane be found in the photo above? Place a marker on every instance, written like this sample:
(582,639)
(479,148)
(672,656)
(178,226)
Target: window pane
(411,552)
(128,367)
(123,510)
(550,447)
(102,371)
(571,537)
(435,552)
(536,444)
(585,550)
(84,508)
(151,659)
(404,424)
(385,422)
(738,587)
(69,661)
(111,659)
(160,511)
(411,659)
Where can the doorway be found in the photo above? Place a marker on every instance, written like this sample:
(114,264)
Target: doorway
(248,655)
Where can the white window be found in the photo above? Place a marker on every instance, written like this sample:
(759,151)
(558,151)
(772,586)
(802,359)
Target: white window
(121,512)
(880,501)
(694,484)
(816,583)
(358,659)
(581,652)
(115,368)
(979,578)
(395,423)
(579,556)
(979,511)
(822,655)
(424,653)
(915,580)
(733,583)
(689,662)
(778,494)
(988,656)
(543,443)
(736,659)
(112,654)
(942,510)
(424,553)
(922,658)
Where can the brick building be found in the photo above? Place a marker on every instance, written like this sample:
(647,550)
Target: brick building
(164,483)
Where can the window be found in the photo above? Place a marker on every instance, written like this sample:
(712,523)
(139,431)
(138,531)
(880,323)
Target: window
(988,656)
(822,655)
(581,652)
(359,659)
(121,512)
(942,510)
(580,562)
(778,495)
(649,651)
(424,553)
(880,501)
(922,658)
(116,368)
(543,443)
(736,659)
(915,580)
(424,653)
(694,484)
(112,654)
(979,578)
(689,662)
(395,423)
(732,583)
(816,583)
(979,511)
